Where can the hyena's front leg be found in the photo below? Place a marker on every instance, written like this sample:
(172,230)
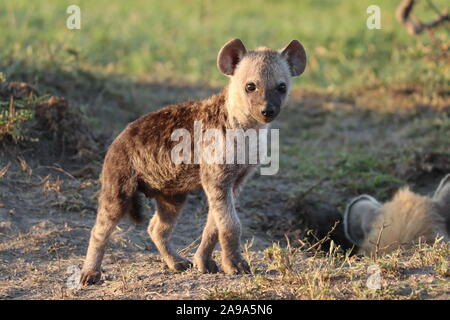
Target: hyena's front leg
(203,257)
(222,212)
(168,209)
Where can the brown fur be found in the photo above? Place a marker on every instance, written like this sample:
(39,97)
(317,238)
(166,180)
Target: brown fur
(138,161)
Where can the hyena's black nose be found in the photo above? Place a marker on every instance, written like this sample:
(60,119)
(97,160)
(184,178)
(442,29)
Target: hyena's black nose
(269,112)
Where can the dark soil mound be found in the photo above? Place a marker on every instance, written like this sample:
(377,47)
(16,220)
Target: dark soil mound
(43,126)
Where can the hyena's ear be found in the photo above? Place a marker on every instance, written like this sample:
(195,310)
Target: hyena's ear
(443,190)
(359,216)
(440,214)
(295,55)
(230,55)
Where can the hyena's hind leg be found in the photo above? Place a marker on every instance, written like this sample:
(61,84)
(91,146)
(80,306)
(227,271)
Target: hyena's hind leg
(111,209)
(168,209)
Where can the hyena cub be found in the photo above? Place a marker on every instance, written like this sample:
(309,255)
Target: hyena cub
(380,228)
(139,160)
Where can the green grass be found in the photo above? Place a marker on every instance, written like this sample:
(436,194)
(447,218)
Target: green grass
(353,171)
(12,121)
(15,115)
(178,40)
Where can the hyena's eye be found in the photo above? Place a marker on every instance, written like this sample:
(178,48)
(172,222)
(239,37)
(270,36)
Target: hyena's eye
(250,87)
(281,88)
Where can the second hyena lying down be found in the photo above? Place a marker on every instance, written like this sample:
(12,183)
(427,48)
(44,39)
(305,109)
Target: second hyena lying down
(377,228)
(139,160)
(371,228)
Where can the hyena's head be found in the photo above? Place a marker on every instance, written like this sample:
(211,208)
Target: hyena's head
(260,80)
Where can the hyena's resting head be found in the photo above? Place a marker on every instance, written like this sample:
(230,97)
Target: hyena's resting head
(260,79)
(408,217)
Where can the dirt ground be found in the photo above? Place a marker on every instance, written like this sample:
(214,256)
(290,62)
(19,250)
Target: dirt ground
(48,206)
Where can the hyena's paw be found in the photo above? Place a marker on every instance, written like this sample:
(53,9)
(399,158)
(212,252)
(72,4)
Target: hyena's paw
(235,265)
(90,277)
(206,265)
(179,265)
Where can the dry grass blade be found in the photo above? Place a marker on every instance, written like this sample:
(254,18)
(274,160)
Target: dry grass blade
(4,170)
(60,170)
(192,245)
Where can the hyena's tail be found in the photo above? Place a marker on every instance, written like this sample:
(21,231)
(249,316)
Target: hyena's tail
(135,212)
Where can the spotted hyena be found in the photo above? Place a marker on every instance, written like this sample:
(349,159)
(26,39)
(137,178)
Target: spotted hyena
(139,160)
